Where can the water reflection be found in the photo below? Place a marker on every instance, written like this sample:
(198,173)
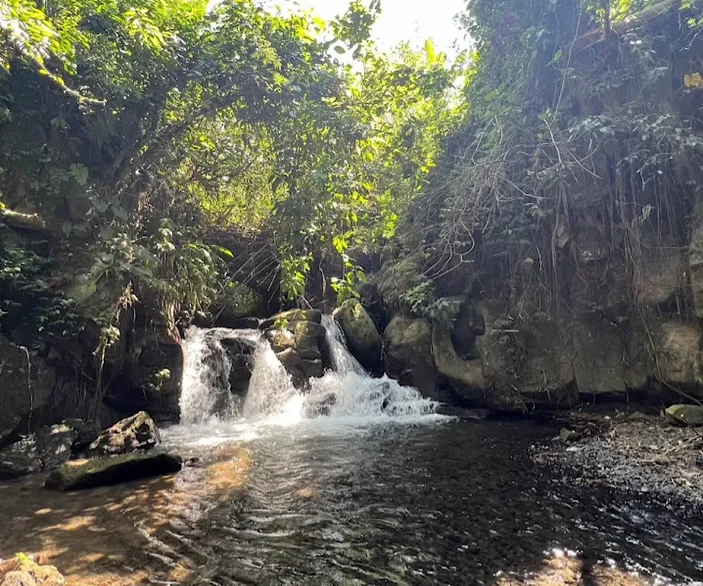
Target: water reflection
(452,504)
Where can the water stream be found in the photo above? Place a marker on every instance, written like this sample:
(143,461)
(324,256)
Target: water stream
(359,482)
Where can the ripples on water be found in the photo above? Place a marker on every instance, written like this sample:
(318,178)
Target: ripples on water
(340,502)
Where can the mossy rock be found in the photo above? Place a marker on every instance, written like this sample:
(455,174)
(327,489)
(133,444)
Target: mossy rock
(360,331)
(111,471)
(685,415)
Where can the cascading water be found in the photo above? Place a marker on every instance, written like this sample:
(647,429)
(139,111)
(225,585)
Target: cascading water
(345,391)
(205,387)
(270,387)
(342,360)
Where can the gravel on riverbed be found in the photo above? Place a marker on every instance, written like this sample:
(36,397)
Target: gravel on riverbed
(633,452)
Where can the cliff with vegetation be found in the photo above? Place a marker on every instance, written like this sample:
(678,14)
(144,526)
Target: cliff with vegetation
(521,223)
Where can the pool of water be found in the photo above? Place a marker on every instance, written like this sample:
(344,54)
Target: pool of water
(431,502)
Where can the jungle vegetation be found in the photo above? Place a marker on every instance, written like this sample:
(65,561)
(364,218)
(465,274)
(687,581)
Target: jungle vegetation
(138,138)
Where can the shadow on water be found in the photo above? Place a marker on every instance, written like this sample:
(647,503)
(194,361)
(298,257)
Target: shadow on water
(134,533)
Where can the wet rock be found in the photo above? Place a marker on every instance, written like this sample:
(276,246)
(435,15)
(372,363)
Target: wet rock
(462,413)
(293,364)
(309,338)
(569,435)
(464,375)
(113,470)
(238,323)
(689,415)
(202,319)
(47,449)
(290,359)
(409,357)
(281,339)
(469,324)
(138,432)
(241,367)
(363,338)
(289,317)
(236,346)
(312,368)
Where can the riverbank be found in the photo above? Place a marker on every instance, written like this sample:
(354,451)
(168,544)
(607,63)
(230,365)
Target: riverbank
(635,452)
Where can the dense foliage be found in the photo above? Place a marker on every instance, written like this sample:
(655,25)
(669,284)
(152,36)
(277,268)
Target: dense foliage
(138,129)
(583,134)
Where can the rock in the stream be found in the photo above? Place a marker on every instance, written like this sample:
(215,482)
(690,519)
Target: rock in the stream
(280,339)
(114,470)
(569,435)
(138,432)
(309,338)
(685,415)
(54,444)
(360,331)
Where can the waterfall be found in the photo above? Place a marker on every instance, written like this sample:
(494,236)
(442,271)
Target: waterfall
(205,388)
(345,391)
(342,360)
(270,387)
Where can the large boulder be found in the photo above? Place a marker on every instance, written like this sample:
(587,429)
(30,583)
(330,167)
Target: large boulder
(309,338)
(114,470)
(363,339)
(298,343)
(84,433)
(138,432)
(409,358)
(469,324)
(281,339)
(20,459)
(26,385)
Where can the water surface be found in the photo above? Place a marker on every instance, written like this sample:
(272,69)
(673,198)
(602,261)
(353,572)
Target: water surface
(433,503)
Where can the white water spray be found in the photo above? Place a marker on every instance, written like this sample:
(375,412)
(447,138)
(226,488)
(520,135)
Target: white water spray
(346,391)
(205,388)
(342,360)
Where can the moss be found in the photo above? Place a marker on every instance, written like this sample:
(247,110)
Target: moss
(114,470)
